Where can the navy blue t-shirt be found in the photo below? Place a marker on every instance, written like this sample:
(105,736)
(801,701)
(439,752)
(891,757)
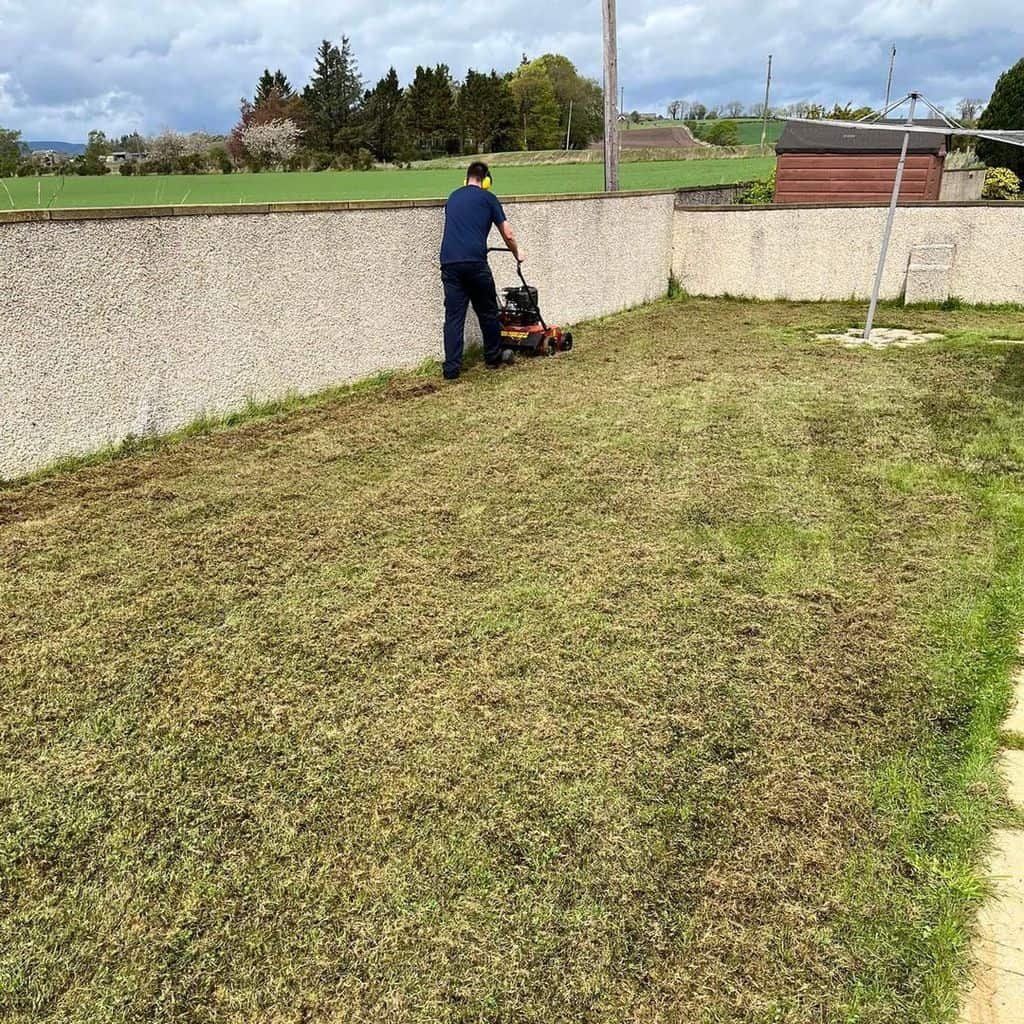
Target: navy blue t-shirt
(468,217)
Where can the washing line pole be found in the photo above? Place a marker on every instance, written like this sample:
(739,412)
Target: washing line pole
(568,130)
(891,217)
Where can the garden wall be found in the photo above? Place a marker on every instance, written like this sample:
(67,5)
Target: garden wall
(974,251)
(139,321)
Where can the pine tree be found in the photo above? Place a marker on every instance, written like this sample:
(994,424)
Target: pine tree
(1005,111)
(486,112)
(383,108)
(333,98)
(430,107)
(269,82)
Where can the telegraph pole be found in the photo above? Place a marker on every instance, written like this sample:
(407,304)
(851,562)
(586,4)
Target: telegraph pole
(611,94)
(888,84)
(767,95)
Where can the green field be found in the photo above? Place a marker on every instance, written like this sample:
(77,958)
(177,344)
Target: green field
(749,127)
(180,190)
(659,682)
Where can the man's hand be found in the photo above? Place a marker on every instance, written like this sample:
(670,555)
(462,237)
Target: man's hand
(520,256)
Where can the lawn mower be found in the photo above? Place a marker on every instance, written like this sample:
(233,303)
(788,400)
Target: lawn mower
(523,329)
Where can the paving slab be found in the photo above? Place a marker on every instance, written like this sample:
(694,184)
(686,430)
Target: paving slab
(1011,763)
(998,993)
(1015,719)
(881,337)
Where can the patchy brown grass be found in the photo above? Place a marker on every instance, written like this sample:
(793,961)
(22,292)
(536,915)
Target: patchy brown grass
(658,682)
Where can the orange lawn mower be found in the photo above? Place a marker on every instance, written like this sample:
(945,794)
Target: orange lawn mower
(523,329)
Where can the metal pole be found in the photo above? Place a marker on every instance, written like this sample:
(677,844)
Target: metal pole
(889,220)
(888,84)
(568,129)
(611,94)
(767,93)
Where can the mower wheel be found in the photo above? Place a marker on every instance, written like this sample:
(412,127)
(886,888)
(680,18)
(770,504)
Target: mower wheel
(567,341)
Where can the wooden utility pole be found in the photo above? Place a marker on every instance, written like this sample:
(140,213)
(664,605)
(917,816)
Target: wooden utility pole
(611,94)
(767,95)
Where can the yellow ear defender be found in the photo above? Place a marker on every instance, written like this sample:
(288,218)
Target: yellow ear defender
(485,184)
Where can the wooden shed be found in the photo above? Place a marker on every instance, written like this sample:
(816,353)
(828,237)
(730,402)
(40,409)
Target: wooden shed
(829,164)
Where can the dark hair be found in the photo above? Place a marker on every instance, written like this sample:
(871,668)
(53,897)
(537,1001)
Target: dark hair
(477,169)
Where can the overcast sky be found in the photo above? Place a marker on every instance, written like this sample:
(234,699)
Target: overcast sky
(120,66)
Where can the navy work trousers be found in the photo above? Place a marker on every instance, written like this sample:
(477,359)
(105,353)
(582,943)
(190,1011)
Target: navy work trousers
(466,283)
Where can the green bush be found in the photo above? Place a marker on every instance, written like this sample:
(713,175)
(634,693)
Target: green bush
(190,163)
(721,133)
(363,160)
(1005,111)
(127,168)
(26,169)
(1000,183)
(761,192)
(219,157)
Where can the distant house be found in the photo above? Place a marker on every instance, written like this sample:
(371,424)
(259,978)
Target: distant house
(49,157)
(122,156)
(821,163)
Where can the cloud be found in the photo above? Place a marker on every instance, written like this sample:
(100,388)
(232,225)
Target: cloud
(128,66)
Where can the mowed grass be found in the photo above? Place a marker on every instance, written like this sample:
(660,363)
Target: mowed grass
(172,190)
(749,128)
(656,682)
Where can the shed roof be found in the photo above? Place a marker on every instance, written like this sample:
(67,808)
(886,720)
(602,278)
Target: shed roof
(807,137)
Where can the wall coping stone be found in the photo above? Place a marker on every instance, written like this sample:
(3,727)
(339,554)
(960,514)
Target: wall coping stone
(249,209)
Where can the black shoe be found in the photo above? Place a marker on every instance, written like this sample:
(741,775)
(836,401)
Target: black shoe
(508,357)
(451,376)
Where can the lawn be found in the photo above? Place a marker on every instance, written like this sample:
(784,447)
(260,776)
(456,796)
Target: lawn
(656,682)
(154,190)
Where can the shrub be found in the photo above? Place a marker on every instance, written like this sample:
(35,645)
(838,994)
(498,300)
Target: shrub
(1005,111)
(190,163)
(1000,183)
(761,192)
(721,133)
(363,160)
(219,157)
(127,168)
(26,169)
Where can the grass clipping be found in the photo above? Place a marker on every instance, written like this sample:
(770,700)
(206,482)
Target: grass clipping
(659,682)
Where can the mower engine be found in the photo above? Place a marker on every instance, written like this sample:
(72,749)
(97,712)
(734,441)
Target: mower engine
(523,328)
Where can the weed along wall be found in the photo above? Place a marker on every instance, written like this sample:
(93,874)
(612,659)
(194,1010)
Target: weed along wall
(136,322)
(974,251)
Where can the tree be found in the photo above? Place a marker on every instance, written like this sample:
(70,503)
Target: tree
(98,146)
(674,107)
(383,111)
(486,113)
(698,111)
(271,144)
(132,143)
(733,108)
(430,111)
(537,110)
(1005,111)
(269,82)
(968,109)
(332,98)
(722,133)
(10,152)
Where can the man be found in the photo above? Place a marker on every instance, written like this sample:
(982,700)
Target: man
(468,216)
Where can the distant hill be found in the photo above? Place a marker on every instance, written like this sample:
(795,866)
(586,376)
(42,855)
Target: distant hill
(73,148)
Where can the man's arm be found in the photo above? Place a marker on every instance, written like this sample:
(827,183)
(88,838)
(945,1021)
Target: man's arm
(510,240)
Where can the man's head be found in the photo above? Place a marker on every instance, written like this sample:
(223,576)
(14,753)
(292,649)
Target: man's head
(478,174)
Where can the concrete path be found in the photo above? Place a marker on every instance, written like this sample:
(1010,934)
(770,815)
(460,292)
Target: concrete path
(997,996)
